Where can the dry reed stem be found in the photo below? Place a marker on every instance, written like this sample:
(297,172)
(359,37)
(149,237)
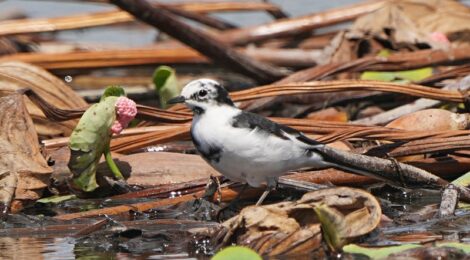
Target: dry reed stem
(157,55)
(347,85)
(21,26)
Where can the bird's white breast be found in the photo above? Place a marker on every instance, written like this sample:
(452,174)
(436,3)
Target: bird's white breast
(247,155)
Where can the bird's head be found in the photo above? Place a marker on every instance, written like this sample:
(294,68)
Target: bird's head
(201,94)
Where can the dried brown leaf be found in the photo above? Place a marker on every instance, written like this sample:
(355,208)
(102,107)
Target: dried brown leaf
(20,149)
(16,75)
(362,205)
(292,227)
(414,21)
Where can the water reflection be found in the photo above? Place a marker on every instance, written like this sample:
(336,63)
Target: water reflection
(68,248)
(36,248)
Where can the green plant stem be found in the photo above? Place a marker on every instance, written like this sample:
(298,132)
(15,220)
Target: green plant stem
(111,164)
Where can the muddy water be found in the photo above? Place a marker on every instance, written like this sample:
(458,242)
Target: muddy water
(163,233)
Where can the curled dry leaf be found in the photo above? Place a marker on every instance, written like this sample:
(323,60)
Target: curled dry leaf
(17,75)
(24,170)
(349,202)
(288,228)
(415,21)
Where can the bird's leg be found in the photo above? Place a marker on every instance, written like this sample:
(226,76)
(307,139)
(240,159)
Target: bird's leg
(271,185)
(212,187)
(263,196)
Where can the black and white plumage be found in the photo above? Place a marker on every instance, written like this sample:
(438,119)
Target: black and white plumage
(243,146)
(249,148)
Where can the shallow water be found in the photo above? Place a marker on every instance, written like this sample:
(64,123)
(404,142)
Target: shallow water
(163,233)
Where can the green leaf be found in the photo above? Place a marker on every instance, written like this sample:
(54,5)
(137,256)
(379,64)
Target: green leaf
(383,252)
(166,84)
(113,91)
(463,180)
(236,253)
(89,140)
(398,76)
(377,253)
(404,76)
(376,75)
(462,246)
(57,199)
(333,225)
(384,53)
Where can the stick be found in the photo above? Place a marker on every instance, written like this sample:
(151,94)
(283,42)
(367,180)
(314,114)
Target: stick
(199,40)
(299,25)
(420,104)
(35,25)
(227,195)
(198,17)
(389,170)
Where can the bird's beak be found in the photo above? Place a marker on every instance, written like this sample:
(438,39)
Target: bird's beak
(175,100)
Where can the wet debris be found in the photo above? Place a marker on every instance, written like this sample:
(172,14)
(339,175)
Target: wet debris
(335,215)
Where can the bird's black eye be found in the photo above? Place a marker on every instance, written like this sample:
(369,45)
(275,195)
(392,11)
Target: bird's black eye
(202,92)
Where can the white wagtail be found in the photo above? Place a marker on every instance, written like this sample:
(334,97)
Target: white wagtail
(247,147)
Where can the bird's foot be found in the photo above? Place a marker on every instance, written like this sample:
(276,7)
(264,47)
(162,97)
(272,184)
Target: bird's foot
(212,188)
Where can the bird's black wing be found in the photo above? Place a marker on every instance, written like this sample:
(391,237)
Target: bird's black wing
(252,121)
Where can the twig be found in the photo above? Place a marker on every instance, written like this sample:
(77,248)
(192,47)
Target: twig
(227,195)
(417,105)
(298,25)
(79,21)
(395,62)
(345,85)
(199,40)
(158,54)
(388,170)
(449,201)
(198,17)
(91,228)
(427,145)
(459,71)
(70,228)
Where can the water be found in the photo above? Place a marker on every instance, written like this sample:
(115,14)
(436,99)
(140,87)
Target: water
(39,248)
(141,37)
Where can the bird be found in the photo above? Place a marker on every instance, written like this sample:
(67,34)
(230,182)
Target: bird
(249,148)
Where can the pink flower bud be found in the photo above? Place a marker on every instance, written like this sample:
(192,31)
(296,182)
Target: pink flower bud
(126,110)
(116,128)
(440,37)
